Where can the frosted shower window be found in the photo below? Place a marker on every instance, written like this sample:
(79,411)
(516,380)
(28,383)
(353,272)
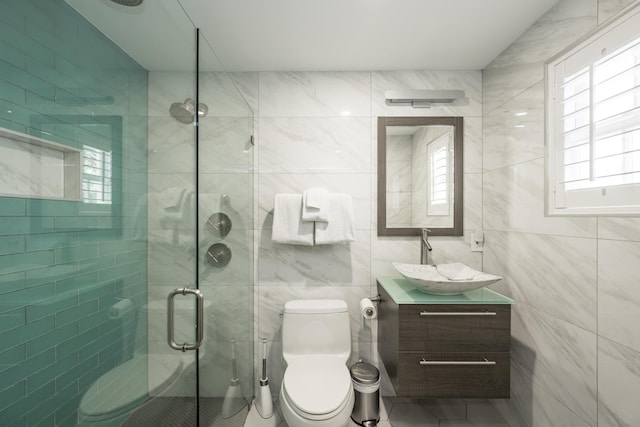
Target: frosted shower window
(96,175)
(593,120)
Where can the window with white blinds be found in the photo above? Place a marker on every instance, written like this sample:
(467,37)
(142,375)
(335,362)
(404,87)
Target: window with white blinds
(593,123)
(96,175)
(439,175)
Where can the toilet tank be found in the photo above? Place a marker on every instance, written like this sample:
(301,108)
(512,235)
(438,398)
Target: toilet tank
(316,327)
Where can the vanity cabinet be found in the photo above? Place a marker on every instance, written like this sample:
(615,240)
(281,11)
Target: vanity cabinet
(444,346)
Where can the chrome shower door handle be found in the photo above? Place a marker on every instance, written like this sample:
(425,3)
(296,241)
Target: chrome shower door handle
(199,325)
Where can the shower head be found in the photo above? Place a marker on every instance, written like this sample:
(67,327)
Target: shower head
(184,111)
(128,2)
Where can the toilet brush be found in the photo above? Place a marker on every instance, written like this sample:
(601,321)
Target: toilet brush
(264,404)
(233,401)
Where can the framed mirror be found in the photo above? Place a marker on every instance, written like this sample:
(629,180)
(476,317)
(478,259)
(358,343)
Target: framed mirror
(420,176)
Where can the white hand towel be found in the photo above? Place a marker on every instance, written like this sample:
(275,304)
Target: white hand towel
(287,224)
(315,205)
(456,271)
(339,229)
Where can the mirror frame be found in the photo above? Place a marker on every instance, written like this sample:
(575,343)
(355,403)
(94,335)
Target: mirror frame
(458,176)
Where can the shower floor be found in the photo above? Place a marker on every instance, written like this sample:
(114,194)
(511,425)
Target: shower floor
(180,412)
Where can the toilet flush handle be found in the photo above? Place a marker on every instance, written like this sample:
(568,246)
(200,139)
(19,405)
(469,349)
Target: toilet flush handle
(199,326)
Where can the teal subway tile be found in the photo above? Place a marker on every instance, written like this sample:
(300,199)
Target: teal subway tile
(94,292)
(37,14)
(12,394)
(67,413)
(14,19)
(118,246)
(29,331)
(49,406)
(51,273)
(10,206)
(12,319)
(73,344)
(8,124)
(96,264)
(24,297)
(22,370)
(76,253)
(76,314)
(22,407)
(51,240)
(13,356)
(87,378)
(25,261)
(52,339)
(12,55)
(12,282)
(96,346)
(97,318)
(76,283)
(12,93)
(76,372)
(12,245)
(18,225)
(42,207)
(138,257)
(78,223)
(121,271)
(51,306)
(47,421)
(22,422)
(50,372)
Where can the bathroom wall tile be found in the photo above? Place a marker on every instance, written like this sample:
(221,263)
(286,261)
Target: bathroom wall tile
(484,414)
(171,258)
(225,144)
(514,132)
(618,297)
(168,87)
(473,144)
(171,146)
(314,94)
(472,213)
(446,409)
(305,266)
(608,8)
(237,205)
(170,201)
(557,276)
(248,86)
(559,357)
(520,66)
(385,250)
(468,81)
(513,200)
(618,384)
(619,228)
(312,145)
(409,415)
(532,405)
(238,271)
(356,185)
(221,95)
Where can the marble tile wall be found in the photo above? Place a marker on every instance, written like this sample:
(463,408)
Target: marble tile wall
(575,351)
(319,129)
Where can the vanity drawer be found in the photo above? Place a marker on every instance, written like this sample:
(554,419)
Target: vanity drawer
(461,375)
(453,328)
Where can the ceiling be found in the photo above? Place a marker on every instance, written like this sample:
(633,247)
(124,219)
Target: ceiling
(321,35)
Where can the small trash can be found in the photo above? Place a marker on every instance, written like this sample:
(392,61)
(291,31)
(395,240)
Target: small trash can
(366,384)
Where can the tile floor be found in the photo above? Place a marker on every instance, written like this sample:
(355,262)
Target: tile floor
(398,412)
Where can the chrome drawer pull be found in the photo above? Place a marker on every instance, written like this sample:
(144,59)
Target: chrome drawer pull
(461,313)
(485,362)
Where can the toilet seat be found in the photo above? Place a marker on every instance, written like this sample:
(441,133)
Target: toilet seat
(123,389)
(317,387)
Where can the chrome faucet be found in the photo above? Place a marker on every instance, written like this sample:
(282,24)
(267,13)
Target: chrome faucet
(425,246)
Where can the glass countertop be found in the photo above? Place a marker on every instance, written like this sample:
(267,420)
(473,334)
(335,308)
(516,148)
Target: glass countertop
(404,292)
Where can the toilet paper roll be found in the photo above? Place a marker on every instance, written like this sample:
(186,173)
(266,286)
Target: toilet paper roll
(367,309)
(120,308)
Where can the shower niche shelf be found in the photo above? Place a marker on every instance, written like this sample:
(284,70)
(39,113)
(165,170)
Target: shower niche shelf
(33,167)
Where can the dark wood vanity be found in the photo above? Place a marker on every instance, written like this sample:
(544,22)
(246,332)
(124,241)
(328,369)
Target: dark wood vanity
(444,346)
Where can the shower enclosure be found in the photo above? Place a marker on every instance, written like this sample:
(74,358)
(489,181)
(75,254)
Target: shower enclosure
(126,219)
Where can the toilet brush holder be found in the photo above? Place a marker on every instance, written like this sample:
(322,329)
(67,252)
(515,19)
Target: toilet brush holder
(264,404)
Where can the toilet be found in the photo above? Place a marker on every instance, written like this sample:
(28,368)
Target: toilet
(316,388)
(111,399)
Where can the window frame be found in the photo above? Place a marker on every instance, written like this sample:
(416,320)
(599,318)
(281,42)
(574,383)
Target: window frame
(624,26)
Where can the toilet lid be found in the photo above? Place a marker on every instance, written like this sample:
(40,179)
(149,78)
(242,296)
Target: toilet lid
(126,386)
(317,385)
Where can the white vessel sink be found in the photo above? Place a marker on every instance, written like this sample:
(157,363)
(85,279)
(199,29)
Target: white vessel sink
(445,279)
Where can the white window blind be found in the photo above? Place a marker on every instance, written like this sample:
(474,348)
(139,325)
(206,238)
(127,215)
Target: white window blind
(96,175)
(594,123)
(439,176)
